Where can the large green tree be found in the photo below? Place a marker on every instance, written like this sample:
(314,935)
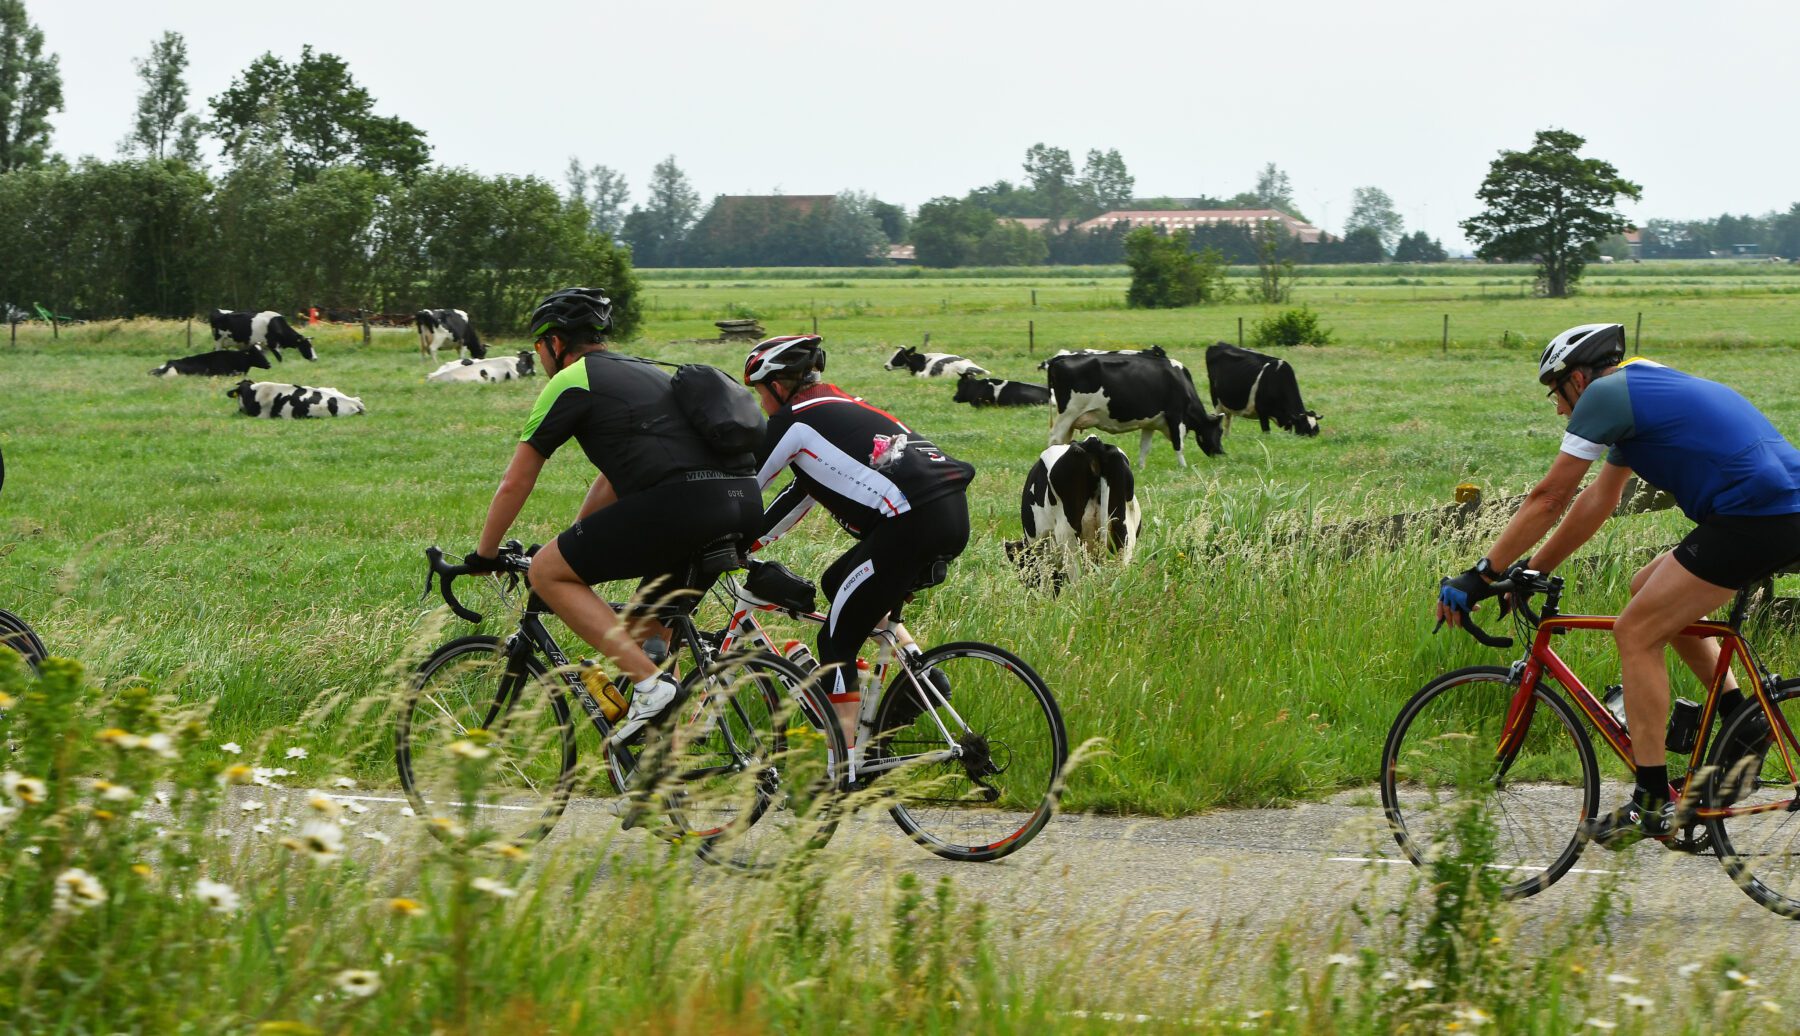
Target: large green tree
(603,190)
(317,115)
(1052,175)
(1166,272)
(947,230)
(657,230)
(164,128)
(1551,206)
(30,89)
(1105,183)
(1372,209)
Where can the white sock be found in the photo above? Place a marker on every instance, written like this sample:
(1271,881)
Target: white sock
(643,686)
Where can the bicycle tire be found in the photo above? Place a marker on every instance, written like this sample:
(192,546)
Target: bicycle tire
(467,684)
(994,799)
(1438,744)
(1761,851)
(751,766)
(17,634)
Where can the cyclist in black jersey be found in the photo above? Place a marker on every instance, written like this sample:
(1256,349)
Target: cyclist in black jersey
(902,498)
(661,495)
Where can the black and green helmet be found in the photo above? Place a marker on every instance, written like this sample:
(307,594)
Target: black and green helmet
(572,309)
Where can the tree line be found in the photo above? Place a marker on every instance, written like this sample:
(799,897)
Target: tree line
(323,201)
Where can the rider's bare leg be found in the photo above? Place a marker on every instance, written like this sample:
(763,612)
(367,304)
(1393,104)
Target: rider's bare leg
(1700,654)
(582,610)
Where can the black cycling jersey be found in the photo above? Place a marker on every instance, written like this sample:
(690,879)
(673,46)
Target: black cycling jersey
(623,413)
(861,463)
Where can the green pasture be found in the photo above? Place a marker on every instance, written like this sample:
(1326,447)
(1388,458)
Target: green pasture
(1245,657)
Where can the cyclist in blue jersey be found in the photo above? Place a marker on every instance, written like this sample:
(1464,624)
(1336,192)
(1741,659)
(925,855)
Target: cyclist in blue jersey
(1728,469)
(662,493)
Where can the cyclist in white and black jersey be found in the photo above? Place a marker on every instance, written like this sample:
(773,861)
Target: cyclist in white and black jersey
(904,499)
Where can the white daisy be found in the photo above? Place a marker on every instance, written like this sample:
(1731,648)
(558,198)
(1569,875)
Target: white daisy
(110,792)
(1421,983)
(1688,970)
(468,750)
(232,748)
(1636,1002)
(321,840)
(344,782)
(378,836)
(1601,1023)
(1339,960)
(324,804)
(251,805)
(1770,1006)
(263,828)
(355,807)
(76,889)
(296,752)
(1621,980)
(493,888)
(28,791)
(1741,979)
(160,743)
(219,897)
(1473,1016)
(357,982)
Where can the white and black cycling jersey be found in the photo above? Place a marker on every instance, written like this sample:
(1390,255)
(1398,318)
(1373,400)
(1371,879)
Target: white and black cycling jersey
(858,461)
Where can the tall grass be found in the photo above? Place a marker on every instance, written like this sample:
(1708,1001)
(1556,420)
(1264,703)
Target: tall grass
(152,885)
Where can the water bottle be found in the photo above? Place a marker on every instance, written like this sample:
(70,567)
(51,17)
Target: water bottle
(612,703)
(796,652)
(1684,726)
(1614,700)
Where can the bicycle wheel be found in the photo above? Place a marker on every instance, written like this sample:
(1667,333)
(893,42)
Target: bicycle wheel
(1440,761)
(17,634)
(1000,786)
(751,766)
(521,787)
(1759,842)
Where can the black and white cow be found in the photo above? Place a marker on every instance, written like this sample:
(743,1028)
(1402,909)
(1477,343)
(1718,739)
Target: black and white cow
(994,392)
(498,368)
(1250,384)
(1120,391)
(279,399)
(439,327)
(267,329)
(219,362)
(933,365)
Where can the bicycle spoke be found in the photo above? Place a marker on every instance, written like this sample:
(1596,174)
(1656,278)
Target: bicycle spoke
(1759,840)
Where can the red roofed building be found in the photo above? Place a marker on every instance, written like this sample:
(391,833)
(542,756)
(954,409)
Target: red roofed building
(1191,219)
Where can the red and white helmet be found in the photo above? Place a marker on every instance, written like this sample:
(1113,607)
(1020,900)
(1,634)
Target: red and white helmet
(783,354)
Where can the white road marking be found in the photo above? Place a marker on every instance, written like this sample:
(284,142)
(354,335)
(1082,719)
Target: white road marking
(1494,866)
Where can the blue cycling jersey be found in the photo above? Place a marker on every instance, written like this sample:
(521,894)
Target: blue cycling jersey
(1697,440)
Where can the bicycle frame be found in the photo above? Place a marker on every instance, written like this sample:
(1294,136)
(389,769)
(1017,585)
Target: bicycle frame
(1541,660)
(744,630)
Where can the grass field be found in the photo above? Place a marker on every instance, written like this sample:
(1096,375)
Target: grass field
(264,566)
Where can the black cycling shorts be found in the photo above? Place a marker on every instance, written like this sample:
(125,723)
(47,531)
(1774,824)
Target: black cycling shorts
(654,533)
(1733,550)
(874,577)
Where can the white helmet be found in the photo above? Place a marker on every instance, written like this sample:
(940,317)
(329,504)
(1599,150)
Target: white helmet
(1590,345)
(784,354)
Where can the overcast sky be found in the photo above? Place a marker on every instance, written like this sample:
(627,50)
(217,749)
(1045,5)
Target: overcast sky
(1693,101)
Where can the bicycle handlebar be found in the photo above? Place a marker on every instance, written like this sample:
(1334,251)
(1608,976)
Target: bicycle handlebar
(1519,582)
(510,562)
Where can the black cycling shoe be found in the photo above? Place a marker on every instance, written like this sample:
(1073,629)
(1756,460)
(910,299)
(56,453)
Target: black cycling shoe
(1630,824)
(906,710)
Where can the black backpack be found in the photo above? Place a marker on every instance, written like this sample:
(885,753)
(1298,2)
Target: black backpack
(721,410)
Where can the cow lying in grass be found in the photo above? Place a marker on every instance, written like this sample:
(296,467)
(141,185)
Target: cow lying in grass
(1080,499)
(218,363)
(980,392)
(279,399)
(498,368)
(933,365)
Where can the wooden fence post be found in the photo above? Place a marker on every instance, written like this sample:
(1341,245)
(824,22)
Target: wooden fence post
(1638,335)
(53,333)
(1240,332)
(365,324)
(190,330)
(815,317)
(1034,298)
(1031,338)
(1446,334)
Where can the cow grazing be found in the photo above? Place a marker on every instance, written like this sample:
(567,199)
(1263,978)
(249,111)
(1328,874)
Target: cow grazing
(1250,384)
(219,362)
(279,399)
(499,368)
(267,329)
(1120,391)
(1079,498)
(933,365)
(994,392)
(439,327)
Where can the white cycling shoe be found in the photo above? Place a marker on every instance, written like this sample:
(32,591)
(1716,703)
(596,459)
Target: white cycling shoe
(646,706)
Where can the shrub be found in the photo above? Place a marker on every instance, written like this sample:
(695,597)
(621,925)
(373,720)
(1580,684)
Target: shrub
(1290,327)
(1166,274)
